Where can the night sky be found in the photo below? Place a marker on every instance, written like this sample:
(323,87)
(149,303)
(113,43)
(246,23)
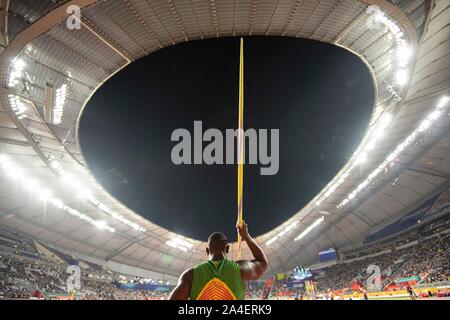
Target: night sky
(319,96)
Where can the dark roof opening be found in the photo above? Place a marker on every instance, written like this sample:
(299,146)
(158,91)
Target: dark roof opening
(319,96)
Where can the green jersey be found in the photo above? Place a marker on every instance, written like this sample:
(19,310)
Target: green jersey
(217,280)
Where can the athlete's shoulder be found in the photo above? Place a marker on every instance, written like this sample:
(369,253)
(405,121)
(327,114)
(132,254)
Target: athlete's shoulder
(187,274)
(232,263)
(200,265)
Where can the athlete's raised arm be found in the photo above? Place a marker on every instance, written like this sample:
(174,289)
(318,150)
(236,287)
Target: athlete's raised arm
(183,289)
(254,269)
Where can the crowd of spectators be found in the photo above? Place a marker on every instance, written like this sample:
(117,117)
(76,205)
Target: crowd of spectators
(424,254)
(22,279)
(95,290)
(421,231)
(428,259)
(14,244)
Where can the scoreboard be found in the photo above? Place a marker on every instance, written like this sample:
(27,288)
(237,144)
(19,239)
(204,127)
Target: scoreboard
(328,255)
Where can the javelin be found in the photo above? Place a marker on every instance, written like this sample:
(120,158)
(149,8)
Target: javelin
(240,176)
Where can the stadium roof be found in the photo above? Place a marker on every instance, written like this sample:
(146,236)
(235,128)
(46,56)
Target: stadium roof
(49,72)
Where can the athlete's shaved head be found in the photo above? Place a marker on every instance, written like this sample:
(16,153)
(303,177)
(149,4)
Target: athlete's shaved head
(217,244)
(217,237)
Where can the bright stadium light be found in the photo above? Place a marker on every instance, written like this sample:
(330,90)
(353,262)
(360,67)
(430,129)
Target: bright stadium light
(17,106)
(385,120)
(87,219)
(86,194)
(380,129)
(31,185)
(118,217)
(404,53)
(81,190)
(401,77)
(57,203)
(443,102)
(60,100)
(280,234)
(310,228)
(15,72)
(361,158)
(424,125)
(44,194)
(403,49)
(334,186)
(18,64)
(435,114)
(370,145)
(396,31)
(179,243)
(11,170)
(382,124)
(100,224)
(57,167)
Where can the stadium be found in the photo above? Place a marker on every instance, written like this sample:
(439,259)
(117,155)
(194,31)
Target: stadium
(377,231)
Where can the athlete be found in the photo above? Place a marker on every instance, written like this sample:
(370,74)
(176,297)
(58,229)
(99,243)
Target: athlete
(220,278)
(411,292)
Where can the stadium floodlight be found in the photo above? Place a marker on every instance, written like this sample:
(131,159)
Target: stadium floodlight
(183,242)
(401,77)
(393,27)
(370,145)
(435,114)
(57,202)
(86,194)
(87,219)
(361,158)
(179,243)
(382,124)
(31,185)
(17,106)
(310,228)
(118,217)
(424,125)
(385,120)
(57,166)
(60,100)
(11,170)
(81,190)
(280,234)
(443,102)
(404,53)
(100,224)
(16,72)
(334,186)
(18,64)
(45,194)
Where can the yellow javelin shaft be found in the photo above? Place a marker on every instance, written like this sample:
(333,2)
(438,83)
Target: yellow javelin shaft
(240,178)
